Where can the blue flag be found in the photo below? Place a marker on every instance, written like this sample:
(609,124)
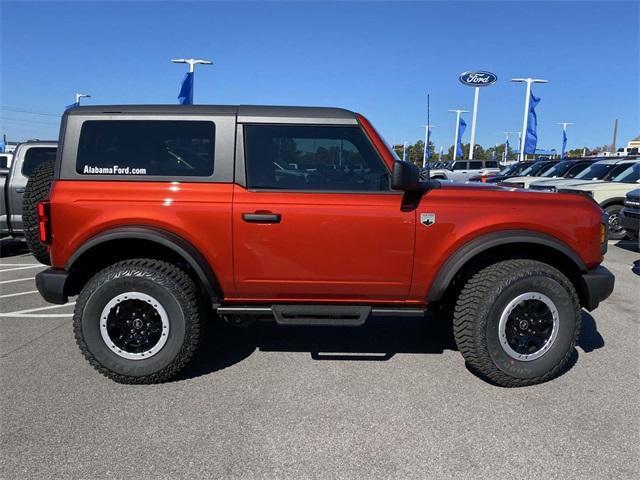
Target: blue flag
(463,125)
(564,143)
(2,145)
(185,97)
(531,138)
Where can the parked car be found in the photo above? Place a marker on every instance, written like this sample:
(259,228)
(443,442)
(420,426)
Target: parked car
(536,169)
(564,169)
(600,170)
(610,196)
(630,214)
(152,244)
(462,170)
(509,171)
(26,158)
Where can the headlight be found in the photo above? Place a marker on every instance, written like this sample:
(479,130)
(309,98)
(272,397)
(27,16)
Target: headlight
(631,203)
(542,188)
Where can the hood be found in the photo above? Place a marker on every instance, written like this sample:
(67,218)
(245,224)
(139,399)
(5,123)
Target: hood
(600,186)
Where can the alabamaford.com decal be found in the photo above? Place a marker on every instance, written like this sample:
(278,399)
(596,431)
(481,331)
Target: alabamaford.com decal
(114,170)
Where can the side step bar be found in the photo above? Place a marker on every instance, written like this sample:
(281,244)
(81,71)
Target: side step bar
(321,315)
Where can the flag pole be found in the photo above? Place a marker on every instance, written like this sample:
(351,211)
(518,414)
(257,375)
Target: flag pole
(455,138)
(564,135)
(523,138)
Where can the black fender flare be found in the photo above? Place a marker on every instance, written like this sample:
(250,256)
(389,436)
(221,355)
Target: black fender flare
(179,245)
(466,252)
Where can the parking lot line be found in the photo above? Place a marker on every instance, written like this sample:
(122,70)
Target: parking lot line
(18,294)
(16,280)
(20,264)
(19,268)
(29,312)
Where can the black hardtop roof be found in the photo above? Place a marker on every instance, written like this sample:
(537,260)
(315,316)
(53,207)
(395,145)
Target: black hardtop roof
(248,111)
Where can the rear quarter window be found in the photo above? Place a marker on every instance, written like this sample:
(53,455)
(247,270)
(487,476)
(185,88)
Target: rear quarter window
(490,164)
(475,165)
(460,166)
(171,148)
(35,156)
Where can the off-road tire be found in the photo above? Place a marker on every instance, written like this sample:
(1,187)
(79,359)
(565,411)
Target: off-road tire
(177,294)
(477,314)
(36,191)
(614,211)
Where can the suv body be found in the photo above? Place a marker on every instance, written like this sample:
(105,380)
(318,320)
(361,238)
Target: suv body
(303,214)
(630,214)
(603,170)
(26,157)
(610,195)
(463,170)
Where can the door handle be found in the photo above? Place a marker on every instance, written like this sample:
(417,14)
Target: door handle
(261,217)
(20,190)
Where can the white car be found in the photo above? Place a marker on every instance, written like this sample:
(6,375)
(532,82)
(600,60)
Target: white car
(610,196)
(463,170)
(602,170)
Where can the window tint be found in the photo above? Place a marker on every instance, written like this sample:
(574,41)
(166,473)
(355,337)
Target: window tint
(460,166)
(4,161)
(146,147)
(475,165)
(491,164)
(312,158)
(576,169)
(35,156)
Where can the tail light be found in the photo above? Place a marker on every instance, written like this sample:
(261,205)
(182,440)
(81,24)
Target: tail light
(44,222)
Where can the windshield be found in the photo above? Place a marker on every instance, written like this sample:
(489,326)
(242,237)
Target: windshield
(629,175)
(535,168)
(615,171)
(576,169)
(558,169)
(595,171)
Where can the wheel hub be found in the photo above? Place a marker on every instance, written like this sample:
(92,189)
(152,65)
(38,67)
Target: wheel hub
(134,325)
(528,326)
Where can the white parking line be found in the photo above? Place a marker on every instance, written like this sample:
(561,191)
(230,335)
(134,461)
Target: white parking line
(20,264)
(18,294)
(19,268)
(29,312)
(17,280)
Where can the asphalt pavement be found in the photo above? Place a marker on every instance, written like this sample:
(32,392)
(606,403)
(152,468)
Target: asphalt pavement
(392,399)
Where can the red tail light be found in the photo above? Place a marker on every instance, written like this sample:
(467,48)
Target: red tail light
(44,222)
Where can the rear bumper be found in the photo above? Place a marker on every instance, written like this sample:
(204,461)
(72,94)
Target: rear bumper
(52,283)
(598,284)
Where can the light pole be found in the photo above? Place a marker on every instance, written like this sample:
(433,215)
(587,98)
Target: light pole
(455,139)
(473,122)
(79,96)
(528,81)
(192,62)
(427,129)
(564,137)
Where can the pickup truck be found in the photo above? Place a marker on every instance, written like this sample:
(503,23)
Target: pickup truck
(13,181)
(463,170)
(159,217)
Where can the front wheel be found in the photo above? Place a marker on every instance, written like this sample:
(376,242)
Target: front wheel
(138,321)
(516,322)
(616,230)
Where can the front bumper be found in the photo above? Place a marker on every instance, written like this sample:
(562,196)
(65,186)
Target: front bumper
(598,285)
(630,219)
(52,283)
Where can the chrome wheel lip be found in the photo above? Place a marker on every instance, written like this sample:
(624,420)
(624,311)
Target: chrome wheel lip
(502,326)
(155,304)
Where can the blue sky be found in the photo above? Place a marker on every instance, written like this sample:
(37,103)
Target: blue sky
(378,58)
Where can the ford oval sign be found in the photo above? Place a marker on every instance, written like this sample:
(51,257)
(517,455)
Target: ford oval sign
(478,79)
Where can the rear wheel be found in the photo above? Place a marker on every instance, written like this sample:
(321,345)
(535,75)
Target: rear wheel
(37,189)
(138,321)
(516,322)
(616,230)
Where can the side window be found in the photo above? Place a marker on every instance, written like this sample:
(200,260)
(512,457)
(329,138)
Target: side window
(490,164)
(475,165)
(460,166)
(171,148)
(35,156)
(312,158)
(4,161)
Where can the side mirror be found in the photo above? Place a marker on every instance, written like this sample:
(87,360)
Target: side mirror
(405,176)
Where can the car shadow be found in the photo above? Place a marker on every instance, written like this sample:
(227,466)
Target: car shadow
(379,339)
(631,245)
(10,247)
